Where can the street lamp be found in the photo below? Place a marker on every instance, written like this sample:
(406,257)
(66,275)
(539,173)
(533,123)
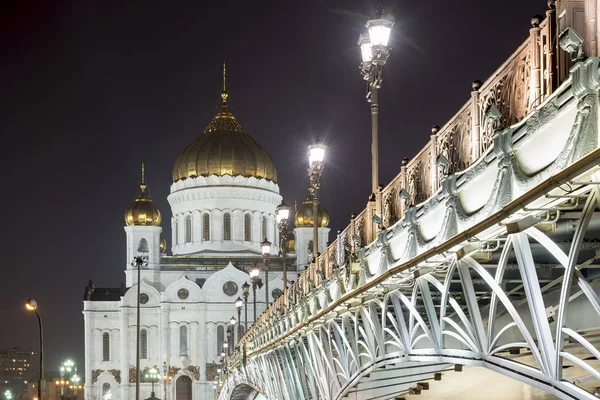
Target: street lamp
(8,395)
(266,253)
(254,271)
(233,321)
(282,213)
(31,305)
(238,307)
(138,263)
(375,52)
(152,375)
(245,293)
(316,156)
(65,369)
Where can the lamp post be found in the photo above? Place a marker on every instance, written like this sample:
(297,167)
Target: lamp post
(316,155)
(245,293)
(375,52)
(152,376)
(31,305)
(65,369)
(233,321)
(266,253)
(282,213)
(8,394)
(238,307)
(165,378)
(138,263)
(254,271)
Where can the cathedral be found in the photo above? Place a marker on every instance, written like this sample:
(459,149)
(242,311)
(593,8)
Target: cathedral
(223,201)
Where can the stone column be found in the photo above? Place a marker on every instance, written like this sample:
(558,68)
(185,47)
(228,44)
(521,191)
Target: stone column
(591,28)
(535,92)
(475,121)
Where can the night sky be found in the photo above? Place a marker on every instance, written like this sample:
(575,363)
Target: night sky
(89,90)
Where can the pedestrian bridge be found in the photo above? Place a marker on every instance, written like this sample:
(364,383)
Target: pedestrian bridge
(482,252)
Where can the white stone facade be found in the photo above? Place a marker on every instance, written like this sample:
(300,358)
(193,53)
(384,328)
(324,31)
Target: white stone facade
(188,298)
(224,214)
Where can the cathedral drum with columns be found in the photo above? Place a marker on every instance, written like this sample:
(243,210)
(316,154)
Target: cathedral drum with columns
(223,200)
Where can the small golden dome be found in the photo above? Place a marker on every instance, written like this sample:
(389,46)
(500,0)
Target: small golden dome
(163,245)
(224,148)
(143,211)
(304,215)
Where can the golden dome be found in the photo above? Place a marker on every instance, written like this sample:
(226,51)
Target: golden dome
(143,211)
(163,245)
(224,148)
(304,215)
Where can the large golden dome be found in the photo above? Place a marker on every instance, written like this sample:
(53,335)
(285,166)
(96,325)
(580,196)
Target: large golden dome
(143,211)
(304,215)
(224,148)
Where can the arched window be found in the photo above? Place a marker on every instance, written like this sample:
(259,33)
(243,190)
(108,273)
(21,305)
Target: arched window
(227,226)
(247,227)
(220,338)
(105,346)
(144,343)
(176,231)
(106,394)
(263,235)
(206,227)
(188,229)
(183,341)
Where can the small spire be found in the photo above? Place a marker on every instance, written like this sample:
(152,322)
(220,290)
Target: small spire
(224,94)
(143,184)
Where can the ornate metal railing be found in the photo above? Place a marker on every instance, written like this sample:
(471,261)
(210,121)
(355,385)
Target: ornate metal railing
(523,82)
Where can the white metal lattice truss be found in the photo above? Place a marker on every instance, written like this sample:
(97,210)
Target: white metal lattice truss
(498,269)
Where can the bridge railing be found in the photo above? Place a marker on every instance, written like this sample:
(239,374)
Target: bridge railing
(521,83)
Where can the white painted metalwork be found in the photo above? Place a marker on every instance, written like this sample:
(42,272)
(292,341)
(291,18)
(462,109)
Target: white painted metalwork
(496,269)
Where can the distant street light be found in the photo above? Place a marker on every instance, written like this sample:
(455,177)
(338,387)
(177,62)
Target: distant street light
(245,293)
(254,272)
(316,157)
(238,307)
(8,395)
(139,261)
(152,375)
(282,214)
(31,305)
(266,253)
(375,52)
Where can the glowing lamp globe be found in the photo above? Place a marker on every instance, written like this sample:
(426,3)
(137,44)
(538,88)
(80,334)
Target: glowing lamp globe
(266,247)
(379,31)
(366,48)
(282,212)
(316,154)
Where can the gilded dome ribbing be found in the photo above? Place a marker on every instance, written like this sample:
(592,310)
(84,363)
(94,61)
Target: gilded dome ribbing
(304,214)
(224,148)
(143,211)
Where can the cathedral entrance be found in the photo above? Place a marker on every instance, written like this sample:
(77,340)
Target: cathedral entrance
(183,389)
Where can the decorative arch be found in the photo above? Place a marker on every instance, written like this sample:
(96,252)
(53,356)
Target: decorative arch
(183,388)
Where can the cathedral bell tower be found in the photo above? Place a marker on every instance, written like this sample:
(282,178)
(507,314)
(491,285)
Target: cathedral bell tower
(303,233)
(143,229)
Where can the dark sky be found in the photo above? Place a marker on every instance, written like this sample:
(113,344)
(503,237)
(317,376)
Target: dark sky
(89,90)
